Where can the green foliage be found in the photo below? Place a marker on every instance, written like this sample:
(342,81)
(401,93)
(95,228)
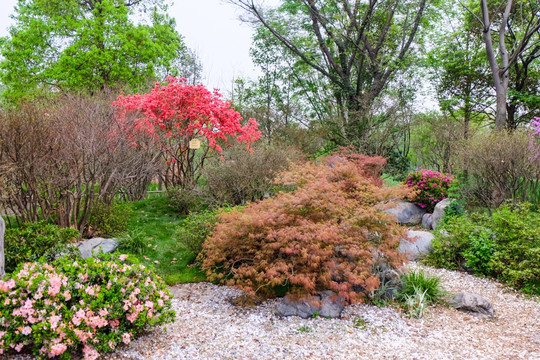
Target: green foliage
(505,246)
(418,291)
(184,201)
(34,240)
(93,305)
(86,45)
(455,209)
(159,224)
(195,229)
(110,220)
(134,241)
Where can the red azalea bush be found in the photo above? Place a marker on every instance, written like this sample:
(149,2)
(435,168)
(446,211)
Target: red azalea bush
(91,306)
(430,187)
(327,234)
(174,113)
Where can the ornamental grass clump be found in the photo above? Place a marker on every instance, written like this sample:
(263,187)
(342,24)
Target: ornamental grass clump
(326,234)
(430,187)
(91,305)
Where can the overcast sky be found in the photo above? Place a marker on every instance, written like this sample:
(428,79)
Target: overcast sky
(210,27)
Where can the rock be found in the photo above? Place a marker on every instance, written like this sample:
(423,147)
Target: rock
(473,304)
(325,303)
(427,221)
(406,212)
(419,246)
(438,213)
(96,245)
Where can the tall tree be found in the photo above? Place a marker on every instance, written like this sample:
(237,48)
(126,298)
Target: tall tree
(517,27)
(357,46)
(87,44)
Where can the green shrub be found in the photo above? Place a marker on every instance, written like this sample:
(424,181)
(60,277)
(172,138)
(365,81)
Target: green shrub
(505,246)
(134,241)
(91,305)
(110,220)
(34,240)
(184,201)
(195,229)
(455,209)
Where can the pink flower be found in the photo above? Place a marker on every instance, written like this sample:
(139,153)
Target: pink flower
(126,338)
(19,347)
(5,286)
(123,257)
(26,330)
(57,350)
(90,353)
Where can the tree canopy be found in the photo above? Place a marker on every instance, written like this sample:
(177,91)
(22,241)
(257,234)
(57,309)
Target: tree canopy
(86,45)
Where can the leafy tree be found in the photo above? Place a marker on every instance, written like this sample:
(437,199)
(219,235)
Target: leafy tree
(86,45)
(517,26)
(458,69)
(175,113)
(358,47)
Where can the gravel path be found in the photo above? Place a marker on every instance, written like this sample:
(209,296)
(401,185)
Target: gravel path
(209,327)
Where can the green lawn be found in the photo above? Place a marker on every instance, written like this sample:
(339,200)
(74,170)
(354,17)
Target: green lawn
(159,224)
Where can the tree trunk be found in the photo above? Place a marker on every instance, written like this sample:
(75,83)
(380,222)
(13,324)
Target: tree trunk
(2,257)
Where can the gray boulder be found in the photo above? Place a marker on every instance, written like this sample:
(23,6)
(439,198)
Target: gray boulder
(473,304)
(427,221)
(325,303)
(96,245)
(406,212)
(438,213)
(418,245)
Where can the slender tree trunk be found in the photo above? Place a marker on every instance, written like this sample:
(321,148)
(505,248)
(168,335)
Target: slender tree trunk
(2,257)
(500,73)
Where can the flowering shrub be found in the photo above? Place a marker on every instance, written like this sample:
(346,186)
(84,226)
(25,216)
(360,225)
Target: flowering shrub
(430,186)
(174,113)
(327,234)
(93,305)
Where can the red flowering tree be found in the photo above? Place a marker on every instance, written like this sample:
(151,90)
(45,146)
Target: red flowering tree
(174,113)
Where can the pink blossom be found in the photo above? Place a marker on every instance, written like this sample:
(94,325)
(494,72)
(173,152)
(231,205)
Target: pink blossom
(123,257)
(57,350)
(126,338)
(26,330)
(5,286)
(19,347)
(90,353)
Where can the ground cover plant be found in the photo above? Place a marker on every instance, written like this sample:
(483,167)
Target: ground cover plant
(505,245)
(327,234)
(155,223)
(69,306)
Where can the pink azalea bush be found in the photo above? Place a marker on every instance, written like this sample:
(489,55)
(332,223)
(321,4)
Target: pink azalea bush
(430,187)
(91,305)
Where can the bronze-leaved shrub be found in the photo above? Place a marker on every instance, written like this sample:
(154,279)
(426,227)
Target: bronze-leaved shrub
(327,234)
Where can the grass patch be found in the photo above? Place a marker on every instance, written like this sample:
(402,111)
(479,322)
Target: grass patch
(157,223)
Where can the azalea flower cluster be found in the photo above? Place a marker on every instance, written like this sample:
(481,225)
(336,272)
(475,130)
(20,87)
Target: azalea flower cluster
(429,186)
(90,305)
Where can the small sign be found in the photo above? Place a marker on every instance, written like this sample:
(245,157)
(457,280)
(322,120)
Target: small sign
(194,144)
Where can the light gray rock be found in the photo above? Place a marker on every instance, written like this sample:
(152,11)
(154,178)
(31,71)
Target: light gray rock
(325,303)
(406,212)
(419,245)
(438,213)
(427,221)
(96,245)
(473,304)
